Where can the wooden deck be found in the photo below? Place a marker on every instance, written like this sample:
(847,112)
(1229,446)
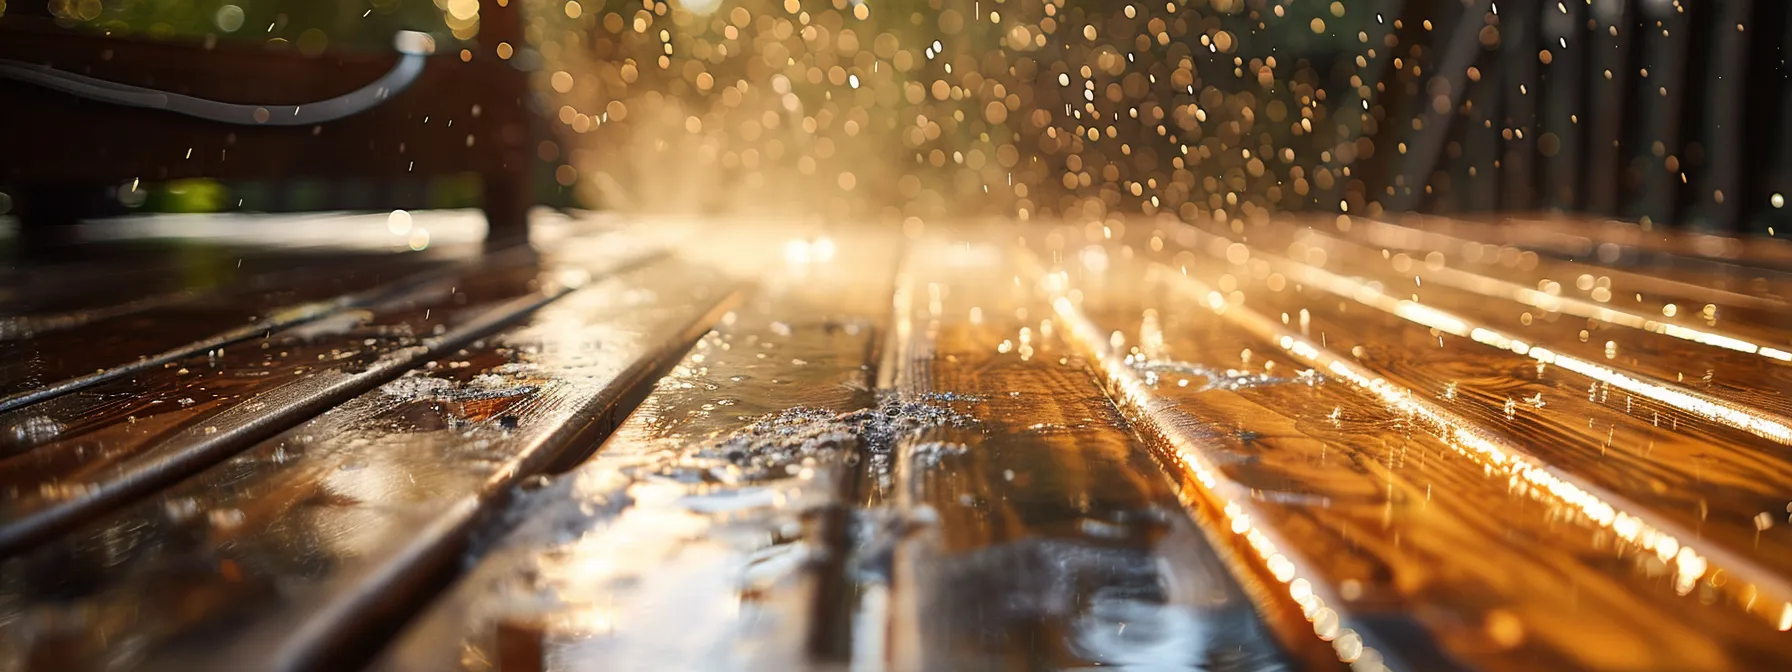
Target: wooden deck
(1513,443)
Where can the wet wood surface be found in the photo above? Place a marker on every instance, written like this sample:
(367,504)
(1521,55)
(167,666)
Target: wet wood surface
(1286,444)
(1409,530)
(713,524)
(86,451)
(57,354)
(1048,539)
(278,558)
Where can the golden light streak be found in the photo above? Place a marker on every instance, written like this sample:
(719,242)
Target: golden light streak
(1755,422)
(1480,284)
(1387,234)
(1629,522)
(1233,499)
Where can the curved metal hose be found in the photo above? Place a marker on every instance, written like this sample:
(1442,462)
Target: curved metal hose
(414,45)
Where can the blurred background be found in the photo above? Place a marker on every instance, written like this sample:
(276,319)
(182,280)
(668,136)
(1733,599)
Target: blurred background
(1659,111)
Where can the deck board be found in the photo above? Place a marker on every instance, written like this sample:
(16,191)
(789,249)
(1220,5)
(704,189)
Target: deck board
(1652,267)
(1422,537)
(710,526)
(290,552)
(1049,532)
(61,353)
(79,454)
(1283,444)
(169,257)
(1654,453)
(1661,351)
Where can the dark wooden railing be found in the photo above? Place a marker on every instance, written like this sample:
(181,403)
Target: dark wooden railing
(1674,113)
(465,113)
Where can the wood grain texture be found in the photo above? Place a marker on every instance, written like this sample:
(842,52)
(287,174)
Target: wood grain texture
(1288,444)
(1417,536)
(80,454)
(302,552)
(709,529)
(1052,537)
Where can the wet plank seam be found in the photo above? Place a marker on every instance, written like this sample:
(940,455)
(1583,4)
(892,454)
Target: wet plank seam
(902,374)
(833,613)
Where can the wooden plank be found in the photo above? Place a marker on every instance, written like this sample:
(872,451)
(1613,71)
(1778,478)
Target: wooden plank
(52,355)
(216,274)
(1533,258)
(1430,555)
(133,264)
(1741,347)
(1547,290)
(712,525)
(1051,538)
(1035,488)
(112,273)
(1584,236)
(1636,354)
(74,456)
(304,551)
(1644,452)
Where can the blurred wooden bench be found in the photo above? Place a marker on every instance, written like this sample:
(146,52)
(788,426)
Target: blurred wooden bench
(464,113)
